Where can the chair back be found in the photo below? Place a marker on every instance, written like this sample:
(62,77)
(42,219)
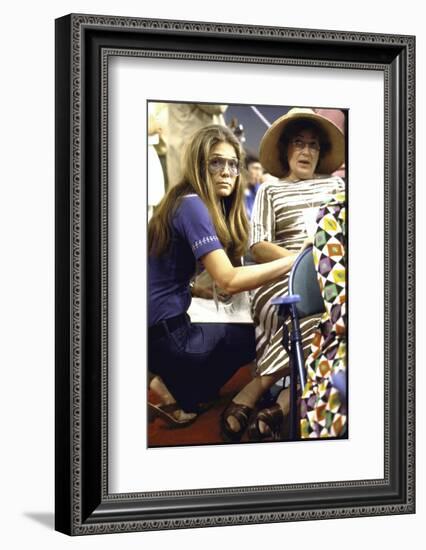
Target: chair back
(303,281)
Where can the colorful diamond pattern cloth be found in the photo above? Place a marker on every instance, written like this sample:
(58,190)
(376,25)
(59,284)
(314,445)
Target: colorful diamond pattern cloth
(323,405)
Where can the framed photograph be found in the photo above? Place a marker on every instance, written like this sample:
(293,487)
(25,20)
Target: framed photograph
(279,211)
(140,448)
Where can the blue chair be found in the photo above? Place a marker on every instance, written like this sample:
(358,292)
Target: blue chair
(304,299)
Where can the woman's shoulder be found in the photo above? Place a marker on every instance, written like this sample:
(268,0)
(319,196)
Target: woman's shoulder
(190,198)
(278,187)
(190,205)
(270,186)
(192,201)
(329,178)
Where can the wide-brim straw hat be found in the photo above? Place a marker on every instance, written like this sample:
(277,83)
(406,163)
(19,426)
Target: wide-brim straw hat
(269,150)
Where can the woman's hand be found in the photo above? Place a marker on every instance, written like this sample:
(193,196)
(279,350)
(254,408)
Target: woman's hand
(309,241)
(264,251)
(200,291)
(223,296)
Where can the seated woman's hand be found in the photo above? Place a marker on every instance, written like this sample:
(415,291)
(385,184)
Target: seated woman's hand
(201,291)
(309,241)
(223,296)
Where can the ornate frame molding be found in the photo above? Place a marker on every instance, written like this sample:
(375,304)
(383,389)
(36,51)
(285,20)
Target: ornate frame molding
(84,44)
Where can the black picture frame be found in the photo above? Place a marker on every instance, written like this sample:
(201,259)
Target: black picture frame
(83,46)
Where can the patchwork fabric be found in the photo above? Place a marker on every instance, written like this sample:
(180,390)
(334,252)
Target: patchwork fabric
(323,408)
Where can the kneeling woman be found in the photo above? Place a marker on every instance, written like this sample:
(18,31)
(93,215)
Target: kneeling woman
(201,220)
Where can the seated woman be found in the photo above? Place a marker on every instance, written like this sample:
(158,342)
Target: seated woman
(201,220)
(301,148)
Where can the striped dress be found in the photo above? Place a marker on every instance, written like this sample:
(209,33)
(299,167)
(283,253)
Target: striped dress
(278,218)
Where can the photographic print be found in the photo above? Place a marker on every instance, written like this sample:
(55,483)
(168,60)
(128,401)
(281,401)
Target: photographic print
(170,297)
(247,280)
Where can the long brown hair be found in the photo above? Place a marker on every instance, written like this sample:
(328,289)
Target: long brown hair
(229,216)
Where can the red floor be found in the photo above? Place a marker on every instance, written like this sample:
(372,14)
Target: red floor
(206,428)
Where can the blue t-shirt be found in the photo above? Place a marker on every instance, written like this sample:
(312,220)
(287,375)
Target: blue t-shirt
(193,235)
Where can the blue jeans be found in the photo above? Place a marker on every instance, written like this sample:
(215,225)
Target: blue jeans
(196,359)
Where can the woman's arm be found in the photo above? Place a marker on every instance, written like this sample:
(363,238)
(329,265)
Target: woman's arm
(236,279)
(265,251)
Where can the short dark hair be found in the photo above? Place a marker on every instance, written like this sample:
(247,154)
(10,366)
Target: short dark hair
(293,128)
(250,159)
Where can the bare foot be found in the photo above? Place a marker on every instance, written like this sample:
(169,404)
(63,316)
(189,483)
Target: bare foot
(159,387)
(250,395)
(183,416)
(166,398)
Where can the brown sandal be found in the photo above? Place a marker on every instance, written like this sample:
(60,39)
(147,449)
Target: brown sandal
(242,414)
(273,417)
